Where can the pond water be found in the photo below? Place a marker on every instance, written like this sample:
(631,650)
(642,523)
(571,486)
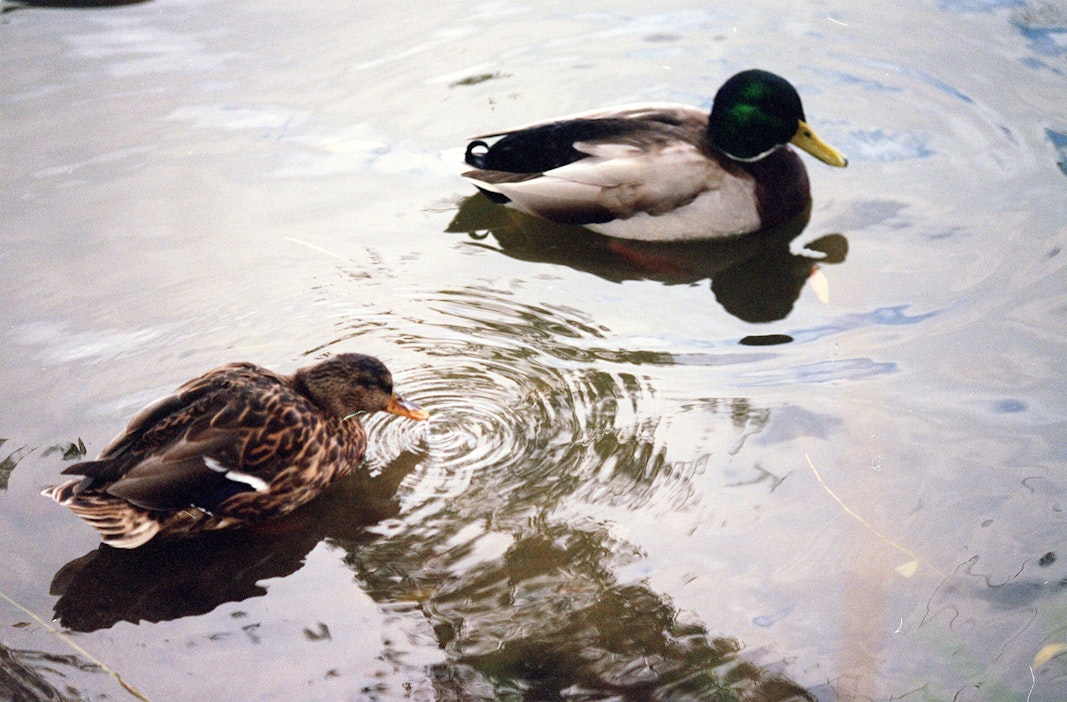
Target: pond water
(827,463)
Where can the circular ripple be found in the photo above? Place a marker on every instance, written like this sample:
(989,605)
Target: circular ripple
(523,406)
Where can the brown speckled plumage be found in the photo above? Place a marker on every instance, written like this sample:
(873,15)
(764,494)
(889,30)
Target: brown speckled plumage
(237,445)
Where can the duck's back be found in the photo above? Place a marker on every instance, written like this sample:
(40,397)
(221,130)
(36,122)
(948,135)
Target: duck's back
(222,440)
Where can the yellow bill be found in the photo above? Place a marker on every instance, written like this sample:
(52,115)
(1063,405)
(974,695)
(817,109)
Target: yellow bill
(806,139)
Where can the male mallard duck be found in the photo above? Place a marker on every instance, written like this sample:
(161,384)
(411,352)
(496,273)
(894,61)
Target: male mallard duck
(237,445)
(661,171)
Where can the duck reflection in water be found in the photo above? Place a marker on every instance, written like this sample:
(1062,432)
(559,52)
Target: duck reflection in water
(756,278)
(166,581)
(549,619)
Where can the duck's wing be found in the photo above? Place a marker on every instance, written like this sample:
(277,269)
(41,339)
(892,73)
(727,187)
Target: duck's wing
(158,422)
(232,430)
(594,170)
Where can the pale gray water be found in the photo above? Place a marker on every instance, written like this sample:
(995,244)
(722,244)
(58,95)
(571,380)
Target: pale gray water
(619,496)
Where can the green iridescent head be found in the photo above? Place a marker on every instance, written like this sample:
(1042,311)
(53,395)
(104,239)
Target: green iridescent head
(757,111)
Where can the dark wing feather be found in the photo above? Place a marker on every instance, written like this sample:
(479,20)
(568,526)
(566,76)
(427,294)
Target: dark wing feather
(103,470)
(157,423)
(542,148)
(232,430)
(188,473)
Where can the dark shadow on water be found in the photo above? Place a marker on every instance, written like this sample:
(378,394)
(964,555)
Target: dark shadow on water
(756,278)
(186,578)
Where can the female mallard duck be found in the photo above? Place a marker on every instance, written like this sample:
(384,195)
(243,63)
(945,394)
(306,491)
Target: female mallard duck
(237,445)
(661,171)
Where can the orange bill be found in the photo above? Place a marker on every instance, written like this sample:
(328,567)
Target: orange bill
(398,405)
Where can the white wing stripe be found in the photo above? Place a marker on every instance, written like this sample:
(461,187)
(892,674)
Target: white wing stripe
(257,484)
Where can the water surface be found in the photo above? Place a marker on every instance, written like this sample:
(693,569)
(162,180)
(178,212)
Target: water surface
(827,463)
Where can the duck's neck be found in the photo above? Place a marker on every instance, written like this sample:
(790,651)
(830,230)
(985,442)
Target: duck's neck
(782,189)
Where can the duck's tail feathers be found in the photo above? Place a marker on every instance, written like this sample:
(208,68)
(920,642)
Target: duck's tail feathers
(118,523)
(460,160)
(468,164)
(475,153)
(105,469)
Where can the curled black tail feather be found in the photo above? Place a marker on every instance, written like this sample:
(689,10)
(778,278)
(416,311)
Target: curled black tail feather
(476,159)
